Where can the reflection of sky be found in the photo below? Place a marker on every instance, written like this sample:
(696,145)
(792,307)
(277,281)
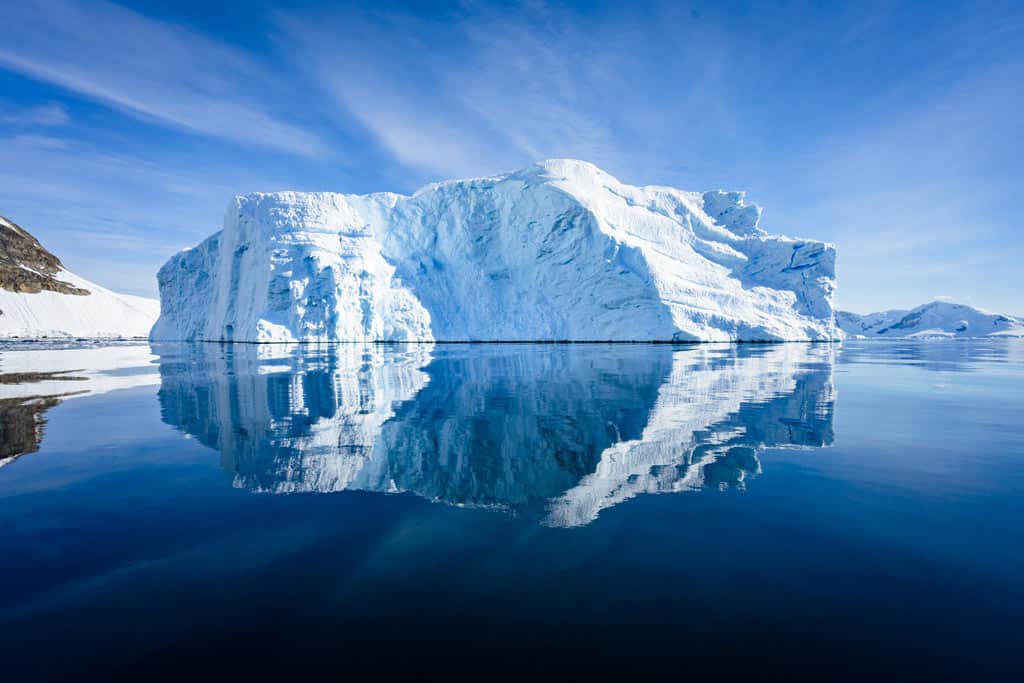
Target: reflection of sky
(939,355)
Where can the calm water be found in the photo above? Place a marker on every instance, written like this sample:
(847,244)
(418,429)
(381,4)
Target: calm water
(248,508)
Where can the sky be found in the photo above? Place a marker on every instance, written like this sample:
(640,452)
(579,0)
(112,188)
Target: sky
(892,129)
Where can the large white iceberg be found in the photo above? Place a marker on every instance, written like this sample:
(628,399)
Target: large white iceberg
(557,251)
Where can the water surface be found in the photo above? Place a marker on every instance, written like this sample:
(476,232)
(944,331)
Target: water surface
(246,507)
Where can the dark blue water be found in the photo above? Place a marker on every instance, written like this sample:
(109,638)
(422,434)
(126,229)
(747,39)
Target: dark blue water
(247,509)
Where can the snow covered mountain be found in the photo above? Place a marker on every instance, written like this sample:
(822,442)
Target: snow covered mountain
(935,319)
(39,298)
(557,251)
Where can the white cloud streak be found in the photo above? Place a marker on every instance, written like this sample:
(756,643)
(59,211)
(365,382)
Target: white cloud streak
(115,218)
(148,68)
(41,141)
(483,89)
(49,115)
(471,93)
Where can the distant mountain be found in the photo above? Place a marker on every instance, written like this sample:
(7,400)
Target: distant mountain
(40,298)
(935,319)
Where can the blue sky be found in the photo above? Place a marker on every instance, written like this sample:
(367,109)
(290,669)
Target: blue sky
(892,129)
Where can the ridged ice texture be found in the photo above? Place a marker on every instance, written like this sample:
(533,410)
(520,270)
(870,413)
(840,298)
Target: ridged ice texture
(558,251)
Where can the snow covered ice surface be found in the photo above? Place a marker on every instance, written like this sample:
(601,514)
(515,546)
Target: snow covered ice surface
(557,251)
(935,320)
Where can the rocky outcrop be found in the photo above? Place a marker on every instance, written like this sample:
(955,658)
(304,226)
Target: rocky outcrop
(26,266)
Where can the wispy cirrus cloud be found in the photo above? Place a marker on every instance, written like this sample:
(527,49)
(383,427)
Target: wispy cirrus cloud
(382,75)
(468,92)
(482,87)
(149,68)
(48,115)
(41,141)
(115,217)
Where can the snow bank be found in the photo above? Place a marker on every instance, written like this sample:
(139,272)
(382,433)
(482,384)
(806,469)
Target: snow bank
(99,314)
(557,251)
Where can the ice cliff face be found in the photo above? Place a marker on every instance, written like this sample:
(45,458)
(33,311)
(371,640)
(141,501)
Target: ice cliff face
(933,320)
(557,251)
(40,298)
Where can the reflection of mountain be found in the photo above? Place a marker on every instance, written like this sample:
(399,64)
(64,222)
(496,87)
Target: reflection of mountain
(21,425)
(555,431)
(33,380)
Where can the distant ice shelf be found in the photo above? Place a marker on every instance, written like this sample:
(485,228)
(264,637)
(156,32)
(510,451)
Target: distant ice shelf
(560,250)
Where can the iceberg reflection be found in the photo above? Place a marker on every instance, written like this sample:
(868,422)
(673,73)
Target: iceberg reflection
(557,432)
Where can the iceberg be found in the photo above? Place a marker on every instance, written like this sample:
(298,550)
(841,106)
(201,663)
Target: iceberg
(938,319)
(558,251)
